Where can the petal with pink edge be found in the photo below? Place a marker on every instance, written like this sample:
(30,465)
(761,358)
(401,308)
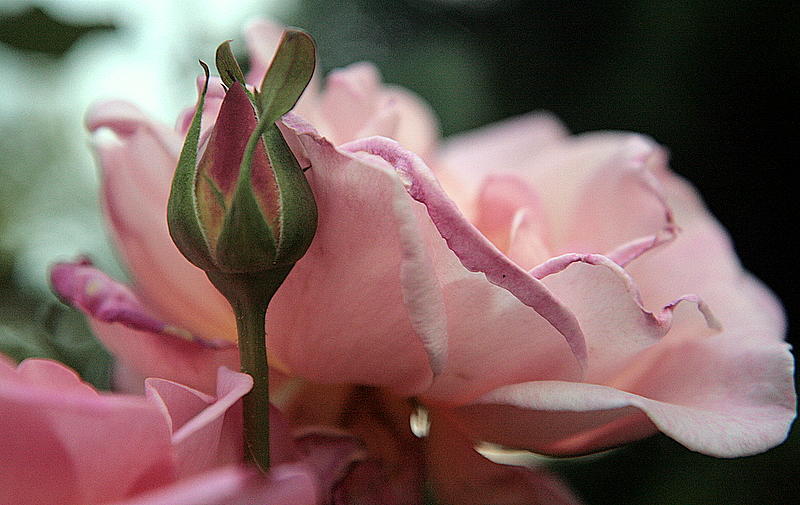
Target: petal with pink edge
(607,303)
(143,342)
(137,164)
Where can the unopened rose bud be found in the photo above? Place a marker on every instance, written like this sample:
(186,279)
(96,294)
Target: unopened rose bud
(246,206)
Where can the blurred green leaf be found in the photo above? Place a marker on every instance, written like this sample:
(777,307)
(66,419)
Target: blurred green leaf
(59,334)
(35,30)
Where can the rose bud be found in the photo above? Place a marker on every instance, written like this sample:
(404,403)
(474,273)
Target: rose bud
(246,206)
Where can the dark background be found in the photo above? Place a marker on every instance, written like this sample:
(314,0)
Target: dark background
(716,82)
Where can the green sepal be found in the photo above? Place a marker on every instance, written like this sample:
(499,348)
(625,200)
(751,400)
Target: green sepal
(227,66)
(184,225)
(288,75)
(298,207)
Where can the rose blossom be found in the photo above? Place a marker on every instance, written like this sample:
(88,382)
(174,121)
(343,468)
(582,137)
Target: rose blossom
(537,290)
(63,442)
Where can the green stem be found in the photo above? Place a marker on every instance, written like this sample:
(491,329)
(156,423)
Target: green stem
(249,296)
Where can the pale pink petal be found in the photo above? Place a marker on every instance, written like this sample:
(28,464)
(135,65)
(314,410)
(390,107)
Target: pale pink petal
(607,303)
(286,485)
(461,476)
(466,159)
(599,195)
(329,325)
(712,395)
(417,128)
(141,341)
(70,445)
(350,101)
(501,197)
(528,245)
(702,260)
(137,167)
(356,105)
(51,374)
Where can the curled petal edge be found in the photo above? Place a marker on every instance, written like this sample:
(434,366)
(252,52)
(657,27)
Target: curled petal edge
(662,320)
(80,285)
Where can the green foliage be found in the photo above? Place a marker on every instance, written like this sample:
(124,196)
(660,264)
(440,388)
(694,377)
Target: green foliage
(35,30)
(59,334)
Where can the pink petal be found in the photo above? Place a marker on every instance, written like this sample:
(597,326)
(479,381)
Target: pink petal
(383,326)
(702,260)
(500,198)
(286,485)
(355,104)
(461,476)
(436,288)
(431,272)
(143,342)
(501,147)
(350,100)
(716,395)
(607,303)
(64,443)
(417,128)
(137,170)
(599,196)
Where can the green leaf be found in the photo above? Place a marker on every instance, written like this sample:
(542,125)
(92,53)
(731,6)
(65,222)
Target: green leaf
(184,225)
(61,335)
(288,75)
(34,29)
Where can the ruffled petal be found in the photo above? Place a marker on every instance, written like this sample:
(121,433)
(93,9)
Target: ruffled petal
(431,283)
(137,168)
(142,341)
(702,259)
(607,303)
(473,252)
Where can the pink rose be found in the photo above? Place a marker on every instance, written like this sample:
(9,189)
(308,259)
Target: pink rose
(557,293)
(64,443)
